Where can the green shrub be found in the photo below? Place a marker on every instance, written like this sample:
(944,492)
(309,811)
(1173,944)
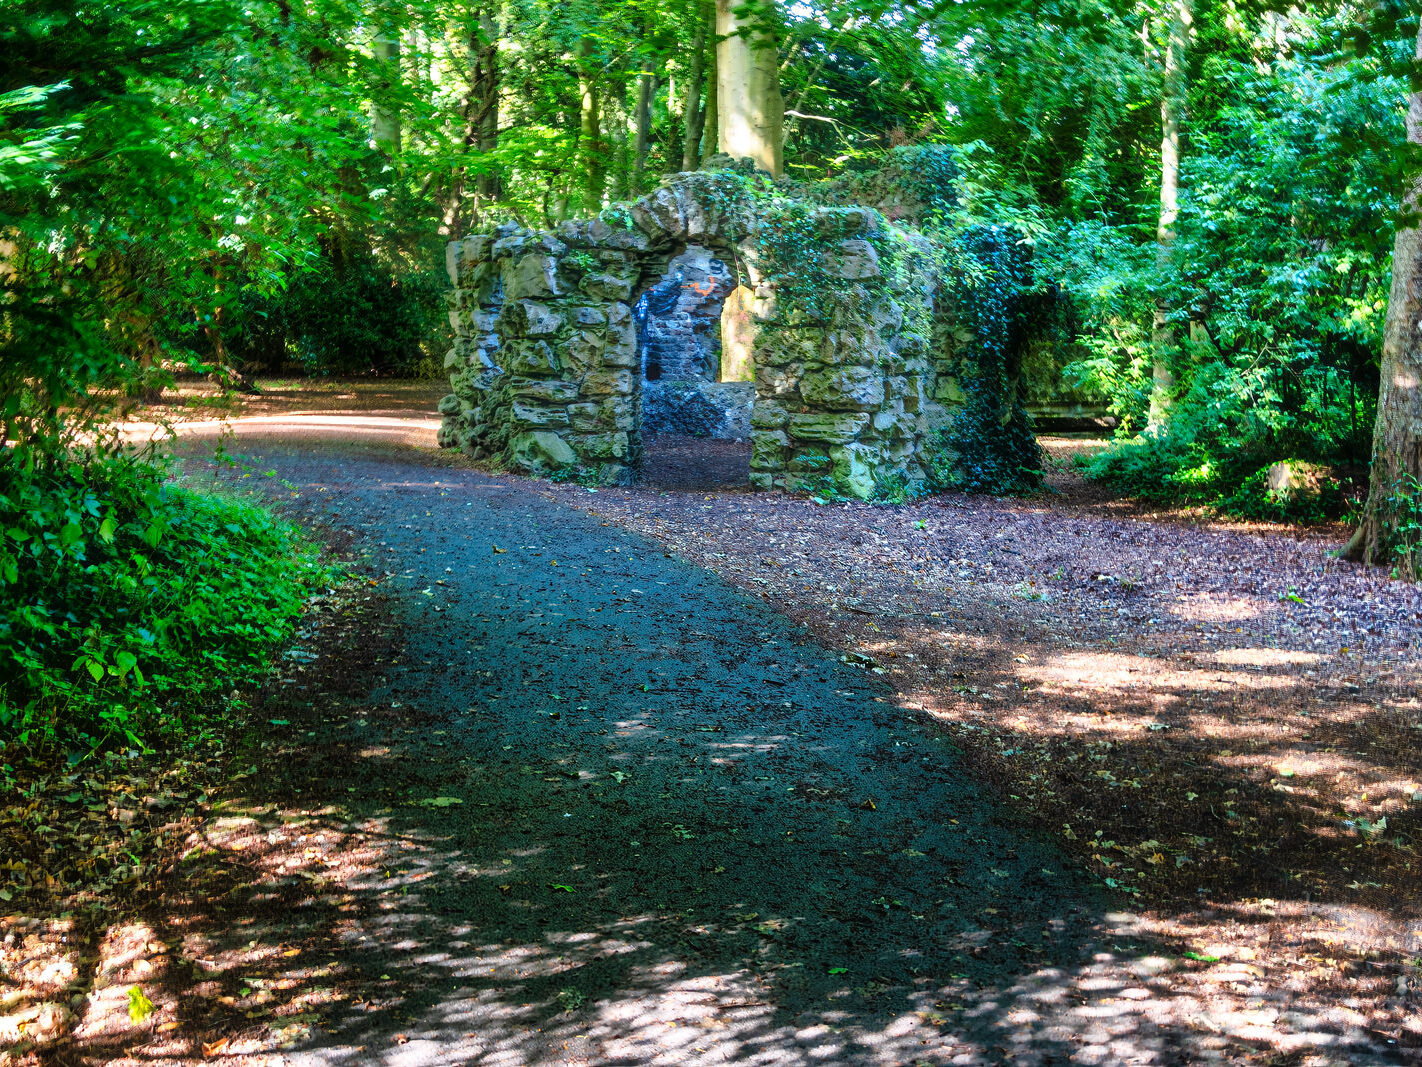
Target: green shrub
(127,602)
(350,316)
(1212,457)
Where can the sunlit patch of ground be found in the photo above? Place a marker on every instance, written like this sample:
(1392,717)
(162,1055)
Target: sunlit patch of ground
(1221,721)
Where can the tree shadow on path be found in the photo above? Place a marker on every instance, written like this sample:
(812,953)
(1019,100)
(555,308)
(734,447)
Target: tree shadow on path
(553,796)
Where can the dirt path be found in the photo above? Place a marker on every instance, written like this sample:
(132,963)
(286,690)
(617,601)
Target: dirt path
(556,795)
(601,808)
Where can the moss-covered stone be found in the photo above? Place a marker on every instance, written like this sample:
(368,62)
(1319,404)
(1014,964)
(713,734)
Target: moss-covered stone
(839,320)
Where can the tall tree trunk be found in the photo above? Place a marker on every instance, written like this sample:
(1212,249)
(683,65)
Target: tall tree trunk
(1394,508)
(590,143)
(711,120)
(385,119)
(752,112)
(695,117)
(1172,113)
(646,93)
(486,85)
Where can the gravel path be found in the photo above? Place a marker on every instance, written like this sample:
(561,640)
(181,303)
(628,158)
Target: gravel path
(554,795)
(624,814)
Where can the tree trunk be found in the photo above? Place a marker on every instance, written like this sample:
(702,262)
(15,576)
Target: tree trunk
(695,117)
(646,93)
(1172,113)
(711,119)
(486,92)
(752,113)
(590,127)
(1389,532)
(385,119)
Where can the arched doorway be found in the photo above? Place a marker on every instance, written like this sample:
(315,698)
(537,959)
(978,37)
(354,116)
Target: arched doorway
(698,386)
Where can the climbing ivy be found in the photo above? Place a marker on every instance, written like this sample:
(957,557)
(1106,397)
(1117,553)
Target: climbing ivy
(989,446)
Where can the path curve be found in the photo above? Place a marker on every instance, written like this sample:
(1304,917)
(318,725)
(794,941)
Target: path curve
(612,811)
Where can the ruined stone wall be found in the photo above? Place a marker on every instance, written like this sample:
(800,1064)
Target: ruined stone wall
(839,321)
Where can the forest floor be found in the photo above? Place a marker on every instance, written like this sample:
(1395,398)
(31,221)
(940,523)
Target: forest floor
(685,774)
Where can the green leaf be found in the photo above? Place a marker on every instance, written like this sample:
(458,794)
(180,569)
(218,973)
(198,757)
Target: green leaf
(139,1006)
(107,529)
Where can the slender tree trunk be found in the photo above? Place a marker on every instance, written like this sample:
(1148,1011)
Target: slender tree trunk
(751,110)
(646,93)
(486,83)
(1172,113)
(590,143)
(695,117)
(385,119)
(711,120)
(1387,534)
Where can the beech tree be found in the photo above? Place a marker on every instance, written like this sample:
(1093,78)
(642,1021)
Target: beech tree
(751,110)
(1391,530)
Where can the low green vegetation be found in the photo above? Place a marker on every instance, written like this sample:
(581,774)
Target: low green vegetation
(131,606)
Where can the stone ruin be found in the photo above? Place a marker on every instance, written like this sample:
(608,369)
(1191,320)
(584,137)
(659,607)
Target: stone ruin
(694,310)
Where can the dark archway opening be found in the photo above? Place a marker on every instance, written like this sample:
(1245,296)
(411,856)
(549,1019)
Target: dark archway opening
(697,391)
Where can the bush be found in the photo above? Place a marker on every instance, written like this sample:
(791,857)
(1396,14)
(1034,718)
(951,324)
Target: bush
(350,316)
(1217,452)
(127,602)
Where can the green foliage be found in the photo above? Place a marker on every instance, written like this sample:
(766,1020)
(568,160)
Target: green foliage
(1405,503)
(127,603)
(989,446)
(1215,452)
(355,316)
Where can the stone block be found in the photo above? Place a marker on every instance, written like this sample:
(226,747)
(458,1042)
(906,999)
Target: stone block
(948,391)
(531,359)
(603,445)
(533,276)
(582,351)
(621,344)
(768,449)
(450,404)
(524,241)
(778,381)
(585,417)
(660,215)
(855,468)
(762,480)
(619,412)
(843,389)
(854,260)
(536,416)
(590,316)
(544,390)
(541,450)
(607,286)
(529,318)
(829,427)
(606,382)
(768,415)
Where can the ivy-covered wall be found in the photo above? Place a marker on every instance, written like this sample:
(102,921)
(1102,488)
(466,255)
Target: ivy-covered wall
(857,332)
